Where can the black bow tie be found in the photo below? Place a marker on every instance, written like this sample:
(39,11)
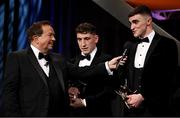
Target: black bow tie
(82,57)
(143,40)
(46,57)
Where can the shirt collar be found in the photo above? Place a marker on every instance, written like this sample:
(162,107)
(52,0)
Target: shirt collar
(151,36)
(35,50)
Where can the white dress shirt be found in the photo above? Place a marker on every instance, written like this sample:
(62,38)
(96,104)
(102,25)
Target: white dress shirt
(42,62)
(142,50)
(86,62)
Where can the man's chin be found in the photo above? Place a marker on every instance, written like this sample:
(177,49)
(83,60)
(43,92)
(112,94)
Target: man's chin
(136,36)
(50,48)
(85,53)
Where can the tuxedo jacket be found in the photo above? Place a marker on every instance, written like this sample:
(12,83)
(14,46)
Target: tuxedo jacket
(25,91)
(97,89)
(157,78)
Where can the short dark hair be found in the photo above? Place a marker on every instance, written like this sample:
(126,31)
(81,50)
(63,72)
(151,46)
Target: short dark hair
(142,9)
(36,29)
(86,28)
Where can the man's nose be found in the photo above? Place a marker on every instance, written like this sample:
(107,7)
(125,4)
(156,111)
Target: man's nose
(132,26)
(53,38)
(83,43)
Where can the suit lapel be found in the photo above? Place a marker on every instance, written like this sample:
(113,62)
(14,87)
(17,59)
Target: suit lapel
(58,72)
(77,60)
(131,60)
(36,65)
(96,58)
(152,47)
(133,53)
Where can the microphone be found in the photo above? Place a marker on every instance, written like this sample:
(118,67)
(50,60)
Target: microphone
(123,56)
(124,53)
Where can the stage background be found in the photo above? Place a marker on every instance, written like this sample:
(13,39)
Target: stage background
(17,15)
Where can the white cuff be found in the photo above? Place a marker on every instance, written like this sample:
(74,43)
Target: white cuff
(84,102)
(107,68)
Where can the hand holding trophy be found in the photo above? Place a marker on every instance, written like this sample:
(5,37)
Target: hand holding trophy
(123,92)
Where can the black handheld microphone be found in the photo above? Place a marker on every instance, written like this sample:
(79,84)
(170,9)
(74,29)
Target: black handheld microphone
(123,56)
(124,53)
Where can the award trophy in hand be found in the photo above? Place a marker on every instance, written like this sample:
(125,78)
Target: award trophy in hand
(76,90)
(123,92)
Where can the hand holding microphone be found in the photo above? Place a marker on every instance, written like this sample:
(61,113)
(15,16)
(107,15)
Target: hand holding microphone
(123,59)
(114,63)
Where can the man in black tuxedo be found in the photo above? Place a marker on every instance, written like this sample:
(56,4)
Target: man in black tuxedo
(35,78)
(95,93)
(150,68)
(34,84)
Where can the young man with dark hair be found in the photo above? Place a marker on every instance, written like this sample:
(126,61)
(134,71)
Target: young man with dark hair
(96,93)
(151,64)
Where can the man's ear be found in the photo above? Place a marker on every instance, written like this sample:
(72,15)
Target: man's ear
(35,38)
(97,38)
(149,21)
